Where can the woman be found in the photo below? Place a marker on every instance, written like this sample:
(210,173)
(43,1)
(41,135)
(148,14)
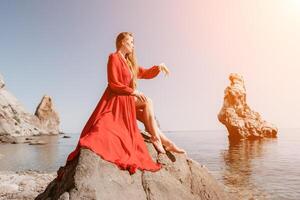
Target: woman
(112,130)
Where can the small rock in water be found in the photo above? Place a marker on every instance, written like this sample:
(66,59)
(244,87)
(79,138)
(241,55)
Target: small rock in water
(37,142)
(66,136)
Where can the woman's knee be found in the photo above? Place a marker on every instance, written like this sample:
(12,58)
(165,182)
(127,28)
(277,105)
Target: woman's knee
(144,104)
(148,102)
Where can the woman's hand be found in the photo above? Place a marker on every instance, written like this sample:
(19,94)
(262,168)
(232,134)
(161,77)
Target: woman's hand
(139,95)
(163,68)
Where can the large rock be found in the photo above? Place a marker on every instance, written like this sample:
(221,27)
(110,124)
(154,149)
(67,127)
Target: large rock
(237,116)
(47,115)
(15,121)
(90,177)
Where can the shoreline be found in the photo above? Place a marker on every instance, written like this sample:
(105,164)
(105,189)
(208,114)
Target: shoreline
(23,184)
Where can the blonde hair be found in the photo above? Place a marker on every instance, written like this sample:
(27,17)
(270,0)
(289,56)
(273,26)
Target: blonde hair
(131,59)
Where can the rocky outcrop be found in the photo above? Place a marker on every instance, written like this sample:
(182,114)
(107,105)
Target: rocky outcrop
(47,115)
(90,177)
(15,121)
(237,116)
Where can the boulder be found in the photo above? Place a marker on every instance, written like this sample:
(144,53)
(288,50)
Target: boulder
(240,120)
(90,177)
(49,119)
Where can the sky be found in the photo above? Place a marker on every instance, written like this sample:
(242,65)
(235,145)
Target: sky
(60,48)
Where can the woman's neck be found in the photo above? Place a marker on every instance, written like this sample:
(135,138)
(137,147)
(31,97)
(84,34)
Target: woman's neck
(121,53)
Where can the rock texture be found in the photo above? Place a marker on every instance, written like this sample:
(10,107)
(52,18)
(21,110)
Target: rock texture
(237,116)
(90,177)
(15,121)
(47,115)
(23,185)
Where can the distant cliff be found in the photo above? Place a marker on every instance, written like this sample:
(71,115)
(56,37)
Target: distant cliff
(15,121)
(237,116)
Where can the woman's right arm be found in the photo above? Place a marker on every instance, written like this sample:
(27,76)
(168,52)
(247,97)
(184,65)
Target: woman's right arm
(114,75)
(148,73)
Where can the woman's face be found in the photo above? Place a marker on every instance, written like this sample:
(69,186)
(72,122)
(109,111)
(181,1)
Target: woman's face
(128,44)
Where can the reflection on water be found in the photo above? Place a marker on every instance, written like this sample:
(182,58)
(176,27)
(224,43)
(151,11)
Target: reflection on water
(238,171)
(262,169)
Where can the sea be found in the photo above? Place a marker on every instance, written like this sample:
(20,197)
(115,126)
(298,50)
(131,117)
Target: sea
(262,169)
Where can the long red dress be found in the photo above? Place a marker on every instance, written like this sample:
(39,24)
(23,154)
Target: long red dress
(112,131)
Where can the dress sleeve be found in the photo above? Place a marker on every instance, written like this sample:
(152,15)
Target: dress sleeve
(149,73)
(113,77)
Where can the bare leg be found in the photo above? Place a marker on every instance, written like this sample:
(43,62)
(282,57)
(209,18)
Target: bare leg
(145,114)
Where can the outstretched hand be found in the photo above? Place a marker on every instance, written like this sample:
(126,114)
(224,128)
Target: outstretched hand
(163,68)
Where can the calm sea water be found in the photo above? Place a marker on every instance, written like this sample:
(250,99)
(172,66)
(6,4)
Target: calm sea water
(266,169)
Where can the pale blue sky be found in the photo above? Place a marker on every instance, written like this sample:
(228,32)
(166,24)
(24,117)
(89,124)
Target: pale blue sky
(60,48)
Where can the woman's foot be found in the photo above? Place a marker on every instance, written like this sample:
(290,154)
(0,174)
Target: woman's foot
(172,147)
(169,145)
(157,144)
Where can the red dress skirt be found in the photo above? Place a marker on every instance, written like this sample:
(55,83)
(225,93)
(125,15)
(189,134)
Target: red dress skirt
(112,131)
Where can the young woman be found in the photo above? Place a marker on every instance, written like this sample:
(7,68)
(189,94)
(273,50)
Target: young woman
(112,130)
